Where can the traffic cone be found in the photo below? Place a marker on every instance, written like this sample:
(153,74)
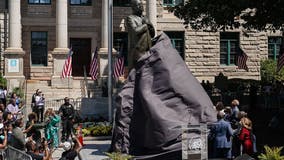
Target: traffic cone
(79,134)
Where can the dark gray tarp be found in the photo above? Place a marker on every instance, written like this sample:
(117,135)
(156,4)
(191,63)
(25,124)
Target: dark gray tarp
(165,95)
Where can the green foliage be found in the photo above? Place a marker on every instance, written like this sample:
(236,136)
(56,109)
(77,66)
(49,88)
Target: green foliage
(268,71)
(227,14)
(3,81)
(101,130)
(273,153)
(98,130)
(19,92)
(118,156)
(86,132)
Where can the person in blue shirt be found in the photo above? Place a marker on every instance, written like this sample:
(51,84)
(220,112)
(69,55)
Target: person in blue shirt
(222,142)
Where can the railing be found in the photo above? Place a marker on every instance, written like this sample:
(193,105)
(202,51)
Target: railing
(56,103)
(12,153)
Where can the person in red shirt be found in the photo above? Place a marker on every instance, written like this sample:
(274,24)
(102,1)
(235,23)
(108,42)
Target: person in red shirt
(246,136)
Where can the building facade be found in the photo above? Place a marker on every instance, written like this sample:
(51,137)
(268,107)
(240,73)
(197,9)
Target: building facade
(42,31)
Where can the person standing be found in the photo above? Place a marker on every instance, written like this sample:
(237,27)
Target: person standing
(67,113)
(222,143)
(246,136)
(3,95)
(39,101)
(18,137)
(51,130)
(140,32)
(33,103)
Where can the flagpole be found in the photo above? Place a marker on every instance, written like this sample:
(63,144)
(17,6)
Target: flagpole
(110,60)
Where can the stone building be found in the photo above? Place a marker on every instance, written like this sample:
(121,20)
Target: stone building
(41,32)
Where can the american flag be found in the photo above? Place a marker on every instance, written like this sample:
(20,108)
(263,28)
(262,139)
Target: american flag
(67,68)
(242,60)
(280,61)
(94,68)
(119,65)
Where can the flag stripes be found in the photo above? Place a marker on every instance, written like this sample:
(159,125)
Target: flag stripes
(119,65)
(94,68)
(280,61)
(67,68)
(242,60)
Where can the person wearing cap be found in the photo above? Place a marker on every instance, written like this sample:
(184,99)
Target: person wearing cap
(67,113)
(72,149)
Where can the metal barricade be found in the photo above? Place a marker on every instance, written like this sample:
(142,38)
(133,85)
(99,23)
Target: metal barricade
(56,103)
(12,153)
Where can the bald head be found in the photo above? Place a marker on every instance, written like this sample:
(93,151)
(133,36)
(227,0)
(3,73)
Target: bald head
(137,7)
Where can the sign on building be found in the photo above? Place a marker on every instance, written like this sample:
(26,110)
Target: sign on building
(13,65)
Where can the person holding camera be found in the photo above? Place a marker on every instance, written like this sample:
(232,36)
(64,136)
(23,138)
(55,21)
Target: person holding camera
(32,151)
(67,113)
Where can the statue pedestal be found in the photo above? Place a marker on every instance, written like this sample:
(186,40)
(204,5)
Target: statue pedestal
(194,142)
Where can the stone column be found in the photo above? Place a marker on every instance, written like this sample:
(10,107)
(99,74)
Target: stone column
(13,55)
(60,52)
(103,52)
(151,12)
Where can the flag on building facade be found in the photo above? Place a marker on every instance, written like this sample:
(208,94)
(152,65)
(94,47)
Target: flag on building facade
(94,68)
(67,68)
(119,65)
(242,60)
(280,61)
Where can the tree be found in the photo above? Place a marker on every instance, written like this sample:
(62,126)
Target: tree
(268,71)
(213,15)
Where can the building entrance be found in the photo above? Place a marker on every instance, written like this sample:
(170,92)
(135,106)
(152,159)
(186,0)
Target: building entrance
(81,56)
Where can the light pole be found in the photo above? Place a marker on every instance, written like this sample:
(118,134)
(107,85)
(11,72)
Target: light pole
(110,60)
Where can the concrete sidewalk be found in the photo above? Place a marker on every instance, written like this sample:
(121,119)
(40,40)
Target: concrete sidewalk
(92,150)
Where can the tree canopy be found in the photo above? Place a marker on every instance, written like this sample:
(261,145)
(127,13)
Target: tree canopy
(229,14)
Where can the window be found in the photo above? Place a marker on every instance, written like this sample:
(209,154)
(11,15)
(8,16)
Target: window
(121,3)
(172,2)
(39,2)
(177,39)
(39,48)
(81,2)
(274,44)
(229,46)
(120,43)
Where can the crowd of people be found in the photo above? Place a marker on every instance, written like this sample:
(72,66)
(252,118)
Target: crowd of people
(232,135)
(39,137)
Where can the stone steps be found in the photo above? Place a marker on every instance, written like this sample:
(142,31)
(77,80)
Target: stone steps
(76,90)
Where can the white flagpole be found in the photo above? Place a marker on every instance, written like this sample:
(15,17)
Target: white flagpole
(110,60)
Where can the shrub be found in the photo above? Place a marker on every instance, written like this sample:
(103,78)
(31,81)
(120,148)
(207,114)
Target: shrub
(273,153)
(3,81)
(98,130)
(118,156)
(268,71)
